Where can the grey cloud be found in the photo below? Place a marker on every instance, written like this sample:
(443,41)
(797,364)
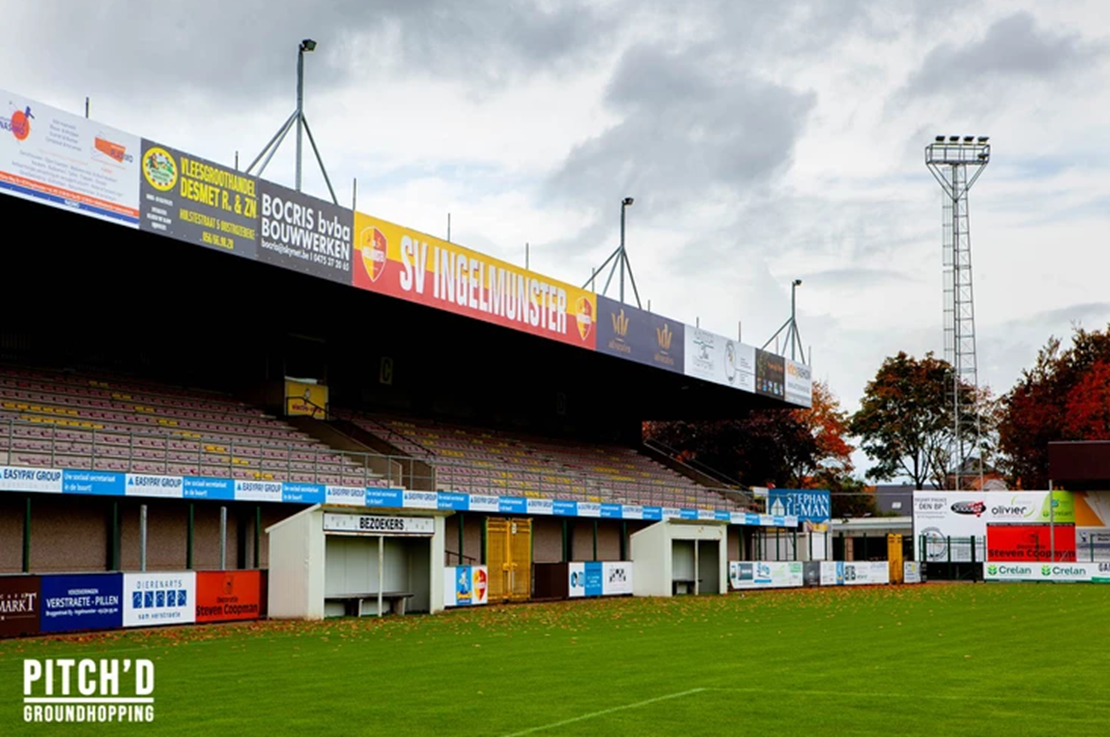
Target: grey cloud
(688,128)
(1013,48)
(244,51)
(855,278)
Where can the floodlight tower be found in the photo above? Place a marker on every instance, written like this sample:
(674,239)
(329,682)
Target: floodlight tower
(956,165)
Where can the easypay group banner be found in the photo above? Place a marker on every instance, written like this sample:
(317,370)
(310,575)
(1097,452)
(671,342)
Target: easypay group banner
(400,262)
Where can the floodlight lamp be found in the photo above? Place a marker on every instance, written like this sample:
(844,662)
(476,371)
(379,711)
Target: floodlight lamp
(969,139)
(984,139)
(627,201)
(940,139)
(797,282)
(953,139)
(308,45)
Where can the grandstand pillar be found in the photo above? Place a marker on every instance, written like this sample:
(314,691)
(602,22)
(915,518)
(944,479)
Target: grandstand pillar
(566,542)
(485,534)
(114,542)
(142,537)
(624,540)
(461,522)
(27,536)
(258,536)
(595,540)
(223,538)
(190,531)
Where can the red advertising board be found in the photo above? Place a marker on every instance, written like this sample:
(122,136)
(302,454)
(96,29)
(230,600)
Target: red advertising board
(1030,542)
(228,595)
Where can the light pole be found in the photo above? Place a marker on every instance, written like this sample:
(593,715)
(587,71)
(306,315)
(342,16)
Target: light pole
(621,262)
(297,118)
(306,45)
(624,204)
(791,326)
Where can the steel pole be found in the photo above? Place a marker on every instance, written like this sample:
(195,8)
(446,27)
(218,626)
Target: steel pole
(142,537)
(223,538)
(622,251)
(300,111)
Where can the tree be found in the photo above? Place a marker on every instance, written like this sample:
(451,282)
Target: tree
(762,448)
(827,422)
(905,420)
(1062,397)
(803,448)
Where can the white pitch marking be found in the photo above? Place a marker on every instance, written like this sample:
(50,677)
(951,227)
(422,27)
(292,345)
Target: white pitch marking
(603,712)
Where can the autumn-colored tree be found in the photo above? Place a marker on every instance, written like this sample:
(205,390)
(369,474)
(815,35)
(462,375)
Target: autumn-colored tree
(1064,396)
(762,448)
(827,422)
(803,448)
(905,420)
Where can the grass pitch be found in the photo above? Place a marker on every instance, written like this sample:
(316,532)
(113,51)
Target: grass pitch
(1003,659)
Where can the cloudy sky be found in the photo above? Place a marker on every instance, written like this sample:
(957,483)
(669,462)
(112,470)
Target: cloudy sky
(762,141)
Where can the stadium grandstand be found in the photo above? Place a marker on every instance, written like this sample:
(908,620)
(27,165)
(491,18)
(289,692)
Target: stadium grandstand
(149,370)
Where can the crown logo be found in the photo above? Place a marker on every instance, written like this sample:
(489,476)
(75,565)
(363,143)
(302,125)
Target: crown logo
(664,335)
(620,323)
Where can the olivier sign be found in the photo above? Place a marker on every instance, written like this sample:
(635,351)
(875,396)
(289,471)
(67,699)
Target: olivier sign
(67,690)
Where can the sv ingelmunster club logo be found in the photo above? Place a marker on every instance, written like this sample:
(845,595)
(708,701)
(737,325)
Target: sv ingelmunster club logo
(88,691)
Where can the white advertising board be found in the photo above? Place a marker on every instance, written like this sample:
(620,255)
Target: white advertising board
(765,574)
(1051,572)
(151,599)
(67,161)
(719,359)
(465,586)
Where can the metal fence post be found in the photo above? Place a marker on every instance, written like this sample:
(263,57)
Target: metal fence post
(258,536)
(142,537)
(189,533)
(27,536)
(223,538)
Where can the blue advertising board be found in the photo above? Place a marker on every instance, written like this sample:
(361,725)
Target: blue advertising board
(636,335)
(82,602)
(808,505)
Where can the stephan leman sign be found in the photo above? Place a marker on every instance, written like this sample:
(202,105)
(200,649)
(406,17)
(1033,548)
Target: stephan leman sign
(362,524)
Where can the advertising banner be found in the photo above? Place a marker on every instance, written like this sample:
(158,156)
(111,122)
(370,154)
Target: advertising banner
(151,599)
(303,234)
(229,595)
(832,573)
(643,337)
(20,605)
(939,515)
(718,359)
(410,265)
(66,161)
(1092,525)
(1053,572)
(765,574)
(585,579)
(85,602)
(811,572)
(304,398)
(47,480)
(363,524)
(808,505)
(1029,507)
(197,201)
(911,571)
(770,374)
(1036,542)
(465,585)
(616,578)
(799,383)
(866,572)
